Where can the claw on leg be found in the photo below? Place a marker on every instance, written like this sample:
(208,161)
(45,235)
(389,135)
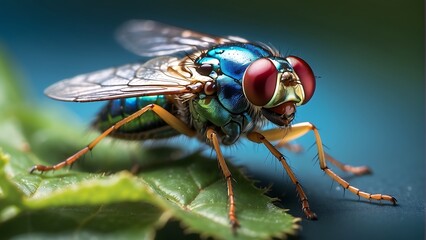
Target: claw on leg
(68,162)
(356,191)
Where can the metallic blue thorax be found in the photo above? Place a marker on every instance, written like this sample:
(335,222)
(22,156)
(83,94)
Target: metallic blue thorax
(228,109)
(233,59)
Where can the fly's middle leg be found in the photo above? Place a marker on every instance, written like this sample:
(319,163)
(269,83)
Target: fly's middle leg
(212,137)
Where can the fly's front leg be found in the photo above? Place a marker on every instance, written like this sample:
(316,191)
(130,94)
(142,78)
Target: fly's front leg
(299,130)
(169,118)
(284,136)
(259,138)
(212,137)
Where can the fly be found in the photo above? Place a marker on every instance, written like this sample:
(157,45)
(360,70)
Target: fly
(217,89)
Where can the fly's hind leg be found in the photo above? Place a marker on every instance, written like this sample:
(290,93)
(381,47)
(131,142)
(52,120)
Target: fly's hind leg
(169,118)
(285,136)
(299,130)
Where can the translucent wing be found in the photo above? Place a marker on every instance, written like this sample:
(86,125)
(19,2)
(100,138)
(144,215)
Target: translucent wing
(150,38)
(161,75)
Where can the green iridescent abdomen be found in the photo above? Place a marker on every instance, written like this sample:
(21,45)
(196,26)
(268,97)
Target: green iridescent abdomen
(147,126)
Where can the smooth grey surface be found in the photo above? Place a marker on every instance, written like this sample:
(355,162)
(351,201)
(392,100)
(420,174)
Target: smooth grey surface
(369,104)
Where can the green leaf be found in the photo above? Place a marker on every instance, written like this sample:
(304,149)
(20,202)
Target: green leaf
(102,197)
(126,220)
(75,204)
(198,197)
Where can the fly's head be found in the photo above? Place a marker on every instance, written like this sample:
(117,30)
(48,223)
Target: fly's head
(278,86)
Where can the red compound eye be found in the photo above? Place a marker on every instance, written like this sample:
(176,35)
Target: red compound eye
(260,81)
(306,76)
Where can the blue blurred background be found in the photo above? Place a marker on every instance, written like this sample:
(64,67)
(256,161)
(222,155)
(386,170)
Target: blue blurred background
(369,104)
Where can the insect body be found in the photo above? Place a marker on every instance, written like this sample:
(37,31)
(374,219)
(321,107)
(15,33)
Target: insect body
(220,89)
(147,126)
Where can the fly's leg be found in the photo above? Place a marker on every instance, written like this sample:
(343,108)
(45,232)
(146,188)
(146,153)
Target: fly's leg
(296,148)
(357,170)
(259,138)
(169,118)
(301,129)
(298,130)
(212,137)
